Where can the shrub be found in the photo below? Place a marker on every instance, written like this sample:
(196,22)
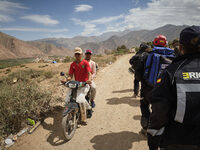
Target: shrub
(22,99)
(120,50)
(22,66)
(48,74)
(43,66)
(68,59)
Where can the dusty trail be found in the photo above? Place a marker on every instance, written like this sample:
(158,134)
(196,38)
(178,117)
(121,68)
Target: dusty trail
(115,124)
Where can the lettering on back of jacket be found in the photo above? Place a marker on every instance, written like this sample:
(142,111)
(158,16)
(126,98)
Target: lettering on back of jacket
(191,75)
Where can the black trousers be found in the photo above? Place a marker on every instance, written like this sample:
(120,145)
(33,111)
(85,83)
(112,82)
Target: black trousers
(144,104)
(136,87)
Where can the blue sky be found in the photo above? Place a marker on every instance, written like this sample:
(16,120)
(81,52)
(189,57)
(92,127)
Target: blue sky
(37,19)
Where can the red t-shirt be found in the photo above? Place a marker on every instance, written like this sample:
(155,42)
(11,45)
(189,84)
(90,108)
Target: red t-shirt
(80,71)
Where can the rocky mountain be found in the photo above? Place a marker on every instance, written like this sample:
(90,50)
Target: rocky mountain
(107,35)
(110,40)
(71,43)
(134,38)
(11,47)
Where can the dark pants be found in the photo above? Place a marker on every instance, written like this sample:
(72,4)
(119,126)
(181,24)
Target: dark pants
(183,147)
(136,87)
(144,104)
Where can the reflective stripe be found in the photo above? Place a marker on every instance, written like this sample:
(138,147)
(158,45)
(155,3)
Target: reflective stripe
(154,132)
(182,89)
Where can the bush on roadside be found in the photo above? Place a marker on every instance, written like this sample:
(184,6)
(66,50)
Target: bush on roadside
(21,99)
(121,50)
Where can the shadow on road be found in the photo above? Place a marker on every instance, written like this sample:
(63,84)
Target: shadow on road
(55,136)
(124,100)
(124,91)
(116,141)
(137,117)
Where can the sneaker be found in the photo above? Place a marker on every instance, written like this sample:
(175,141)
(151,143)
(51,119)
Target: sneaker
(89,113)
(93,104)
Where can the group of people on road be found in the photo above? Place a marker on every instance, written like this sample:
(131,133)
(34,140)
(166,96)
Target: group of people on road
(170,91)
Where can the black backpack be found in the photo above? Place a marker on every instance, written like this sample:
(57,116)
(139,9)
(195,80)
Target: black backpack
(137,63)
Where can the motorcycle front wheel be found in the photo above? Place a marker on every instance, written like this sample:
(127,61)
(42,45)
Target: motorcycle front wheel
(69,125)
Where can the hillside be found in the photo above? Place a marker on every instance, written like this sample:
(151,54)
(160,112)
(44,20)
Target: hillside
(11,47)
(51,49)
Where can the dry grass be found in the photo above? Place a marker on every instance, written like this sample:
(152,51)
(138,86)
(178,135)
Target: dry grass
(22,99)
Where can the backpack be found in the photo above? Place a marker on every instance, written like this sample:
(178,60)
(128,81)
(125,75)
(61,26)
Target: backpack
(137,64)
(156,62)
(134,61)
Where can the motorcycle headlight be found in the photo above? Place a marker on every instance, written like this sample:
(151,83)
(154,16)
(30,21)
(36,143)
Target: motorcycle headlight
(72,86)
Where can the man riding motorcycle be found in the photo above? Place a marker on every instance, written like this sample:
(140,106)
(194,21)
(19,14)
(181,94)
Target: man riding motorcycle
(92,64)
(80,70)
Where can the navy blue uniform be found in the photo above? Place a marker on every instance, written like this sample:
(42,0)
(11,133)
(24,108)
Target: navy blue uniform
(176,103)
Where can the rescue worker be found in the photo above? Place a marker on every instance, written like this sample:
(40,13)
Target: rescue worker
(175,100)
(135,63)
(160,41)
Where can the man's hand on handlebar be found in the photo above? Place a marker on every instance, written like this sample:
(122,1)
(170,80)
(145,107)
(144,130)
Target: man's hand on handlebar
(63,81)
(69,78)
(89,82)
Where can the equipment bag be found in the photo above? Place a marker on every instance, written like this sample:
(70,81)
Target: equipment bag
(156,62)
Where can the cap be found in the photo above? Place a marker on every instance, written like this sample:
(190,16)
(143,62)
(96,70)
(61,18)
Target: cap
(190,36)
(88,51)
(78,50)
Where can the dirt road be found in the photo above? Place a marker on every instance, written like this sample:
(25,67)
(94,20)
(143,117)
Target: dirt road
(115,123)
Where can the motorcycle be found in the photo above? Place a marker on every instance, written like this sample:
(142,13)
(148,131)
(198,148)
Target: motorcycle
(74,113)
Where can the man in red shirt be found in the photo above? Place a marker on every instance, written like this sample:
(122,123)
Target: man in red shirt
(80,70)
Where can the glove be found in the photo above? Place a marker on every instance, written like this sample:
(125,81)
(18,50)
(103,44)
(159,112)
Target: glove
(154,141)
